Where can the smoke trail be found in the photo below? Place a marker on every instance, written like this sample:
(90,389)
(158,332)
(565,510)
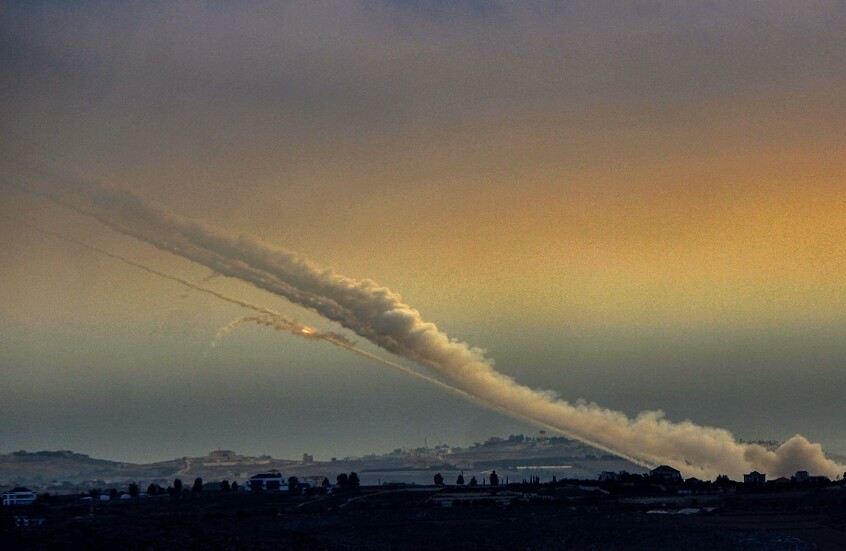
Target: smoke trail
(349,345)
(276,321)
(270,318)
(378,314)
(279,321)
(286,326)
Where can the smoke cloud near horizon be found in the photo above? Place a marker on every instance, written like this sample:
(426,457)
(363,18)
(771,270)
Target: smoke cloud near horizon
(379,315)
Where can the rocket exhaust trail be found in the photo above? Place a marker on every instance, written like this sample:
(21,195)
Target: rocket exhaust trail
(484,403)
(292,326)
(379,315)
(278,322)
(348,345)
(284,325)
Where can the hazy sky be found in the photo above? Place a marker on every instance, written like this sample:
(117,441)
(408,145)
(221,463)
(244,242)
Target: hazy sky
(641,204)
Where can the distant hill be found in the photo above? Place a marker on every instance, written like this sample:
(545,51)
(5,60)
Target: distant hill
(52,468)
(66,471)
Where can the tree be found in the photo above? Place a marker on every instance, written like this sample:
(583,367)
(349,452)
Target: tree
(353,480)
(293,484)
(177,486)
(342,480)
(325,483)
(722,481)
(439,480)
(198,485)
(224,486)
(234,486)
(473,481)
(494,479)
(113,493)
(460,480)
(133,490)
(153,489)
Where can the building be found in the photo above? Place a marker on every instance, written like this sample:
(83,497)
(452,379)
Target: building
(666,474)
(609,476)
(801,476)
(19,496)
(781,481)
(228,458)
(270,481)
(755,479)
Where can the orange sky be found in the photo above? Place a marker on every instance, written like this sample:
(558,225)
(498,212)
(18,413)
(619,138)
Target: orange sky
(584,183)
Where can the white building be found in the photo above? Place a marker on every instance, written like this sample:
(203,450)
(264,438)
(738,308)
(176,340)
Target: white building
(271,481)
(19,496)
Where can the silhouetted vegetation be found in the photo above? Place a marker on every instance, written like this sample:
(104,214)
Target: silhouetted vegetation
(353,480)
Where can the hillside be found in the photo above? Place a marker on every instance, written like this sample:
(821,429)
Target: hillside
(517,457)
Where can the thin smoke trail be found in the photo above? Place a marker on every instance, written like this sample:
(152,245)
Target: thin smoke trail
(178,305)
(177,279)
(284,325)
(269,318)
(276,321)
(341,341)
(379,315)
(272,319)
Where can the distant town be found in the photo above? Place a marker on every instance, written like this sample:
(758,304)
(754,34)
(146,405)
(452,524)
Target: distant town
(516,455)
(50,494)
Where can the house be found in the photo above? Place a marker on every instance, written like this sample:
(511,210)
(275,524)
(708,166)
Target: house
(223,455)
(755,479)
(780,481)
(19,496)
(819,480)
(665,473)
(270,481)
(801,476)
(608,476)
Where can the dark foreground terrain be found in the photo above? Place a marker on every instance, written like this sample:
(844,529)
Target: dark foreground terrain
(434,518)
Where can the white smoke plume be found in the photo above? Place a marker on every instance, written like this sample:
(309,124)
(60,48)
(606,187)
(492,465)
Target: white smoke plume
(378,314)
(274,320)
(269,317)
(283,326)
(278,322)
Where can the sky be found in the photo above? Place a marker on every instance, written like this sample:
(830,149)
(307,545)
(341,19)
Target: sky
(634,204)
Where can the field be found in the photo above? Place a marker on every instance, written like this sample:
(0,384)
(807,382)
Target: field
(410,518)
